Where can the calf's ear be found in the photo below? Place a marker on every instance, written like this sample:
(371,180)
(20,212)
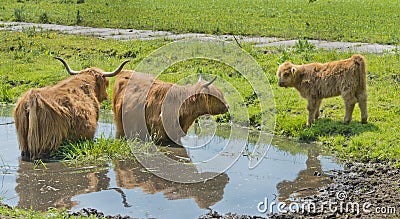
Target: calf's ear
(293,70)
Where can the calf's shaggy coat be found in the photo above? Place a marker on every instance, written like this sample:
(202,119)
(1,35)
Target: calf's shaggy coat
(68,111)
(316,81)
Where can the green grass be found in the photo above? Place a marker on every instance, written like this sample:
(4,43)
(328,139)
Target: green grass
(99,150)
(26,58)
(7,212)
(26,62)
(372,21)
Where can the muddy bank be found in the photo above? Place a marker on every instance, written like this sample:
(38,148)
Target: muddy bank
(361,190)
(129,34)
(88,212)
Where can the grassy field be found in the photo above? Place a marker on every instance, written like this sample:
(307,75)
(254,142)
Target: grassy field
(26,59)
(7,212)
(339,20)
(25,62)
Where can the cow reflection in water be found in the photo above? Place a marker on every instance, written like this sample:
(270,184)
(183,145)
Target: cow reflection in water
(307,182)
(55,185)
(131,174)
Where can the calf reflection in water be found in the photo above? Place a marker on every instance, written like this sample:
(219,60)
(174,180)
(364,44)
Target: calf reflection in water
(307,182)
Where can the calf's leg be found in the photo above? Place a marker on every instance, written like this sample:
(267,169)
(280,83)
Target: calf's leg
(349,101)
(362,103)
(317,106)
(311,107)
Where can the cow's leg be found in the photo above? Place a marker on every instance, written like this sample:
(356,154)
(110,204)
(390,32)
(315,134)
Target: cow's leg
(349,101)
(311,107)
(317,106)
(25,155)
(362,103)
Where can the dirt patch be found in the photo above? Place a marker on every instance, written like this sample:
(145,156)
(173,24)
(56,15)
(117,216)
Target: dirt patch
(90,212)
(361,190)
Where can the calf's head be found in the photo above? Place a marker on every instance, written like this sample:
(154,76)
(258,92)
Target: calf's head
(286,75)
(101,81)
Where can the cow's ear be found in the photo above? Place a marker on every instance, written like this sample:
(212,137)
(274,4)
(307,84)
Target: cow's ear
(101,79)
(293,70)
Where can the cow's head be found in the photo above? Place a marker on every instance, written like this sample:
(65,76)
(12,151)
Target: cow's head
(101,81)
(286,75)
(212,101)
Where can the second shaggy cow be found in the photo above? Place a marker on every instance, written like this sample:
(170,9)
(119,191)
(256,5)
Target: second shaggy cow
(316,81)
(169,109)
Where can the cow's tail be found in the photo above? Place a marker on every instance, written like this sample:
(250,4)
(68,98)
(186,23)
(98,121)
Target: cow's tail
(47,127)
(117,105)
(359,61)
(21,118)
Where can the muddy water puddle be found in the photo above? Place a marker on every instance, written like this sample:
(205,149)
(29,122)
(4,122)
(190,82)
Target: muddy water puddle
(290,169)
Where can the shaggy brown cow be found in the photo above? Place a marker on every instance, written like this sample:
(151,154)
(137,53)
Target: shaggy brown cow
(169,109)
(68,111)
(316,81)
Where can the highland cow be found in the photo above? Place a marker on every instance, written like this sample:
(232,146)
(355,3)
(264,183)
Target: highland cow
(68,111)
(169,109)
(316,81)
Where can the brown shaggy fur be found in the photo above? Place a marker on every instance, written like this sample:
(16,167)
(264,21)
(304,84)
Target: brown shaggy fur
(68,111)
(316,81)
(202,101)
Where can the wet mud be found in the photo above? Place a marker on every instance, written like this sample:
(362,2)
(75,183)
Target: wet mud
(360,191)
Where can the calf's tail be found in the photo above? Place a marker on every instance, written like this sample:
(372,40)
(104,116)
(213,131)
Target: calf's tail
(359,61)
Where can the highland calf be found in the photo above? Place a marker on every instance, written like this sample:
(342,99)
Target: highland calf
(168,109)
(68,111)
(316,81)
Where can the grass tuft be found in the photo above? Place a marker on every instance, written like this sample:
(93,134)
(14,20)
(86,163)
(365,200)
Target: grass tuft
(374,21)
(99,150)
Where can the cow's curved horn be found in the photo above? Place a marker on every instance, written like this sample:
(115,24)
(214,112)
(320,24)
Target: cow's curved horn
(209,83)
(201,76)
(69,70)
(118,70)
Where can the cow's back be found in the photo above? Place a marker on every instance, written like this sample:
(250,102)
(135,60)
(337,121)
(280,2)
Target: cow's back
(129,102)
(46,117)
(77,98)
